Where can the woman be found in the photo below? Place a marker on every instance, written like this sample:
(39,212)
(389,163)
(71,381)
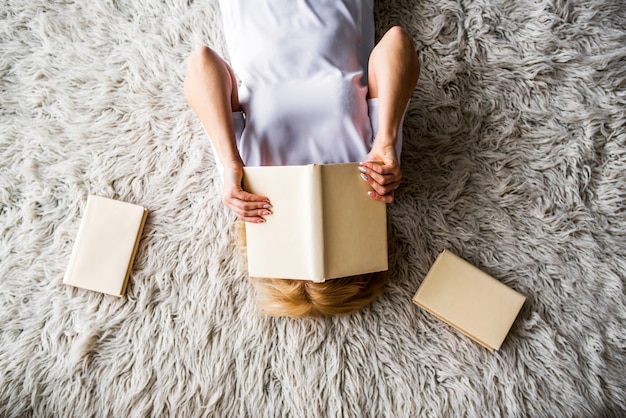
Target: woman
(314,89)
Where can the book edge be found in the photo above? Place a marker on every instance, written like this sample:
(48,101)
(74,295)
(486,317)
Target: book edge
(133,254)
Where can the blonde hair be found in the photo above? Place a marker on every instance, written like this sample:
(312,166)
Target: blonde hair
(304,298)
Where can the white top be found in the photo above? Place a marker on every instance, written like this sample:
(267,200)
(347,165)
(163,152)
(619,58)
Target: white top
(302,66)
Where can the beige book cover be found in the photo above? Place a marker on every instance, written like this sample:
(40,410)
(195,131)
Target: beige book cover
(469,300)
(323,223)
(105,245)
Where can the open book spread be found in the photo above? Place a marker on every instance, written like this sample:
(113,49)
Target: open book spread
(469,300)
(323,223)
(105,245)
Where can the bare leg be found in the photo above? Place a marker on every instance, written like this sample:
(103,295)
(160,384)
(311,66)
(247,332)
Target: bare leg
(211,90)
(393,73)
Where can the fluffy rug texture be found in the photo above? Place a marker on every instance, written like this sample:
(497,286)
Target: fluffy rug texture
(515,159)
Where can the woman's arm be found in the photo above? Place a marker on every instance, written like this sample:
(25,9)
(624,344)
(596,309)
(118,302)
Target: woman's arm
(211,90)
(393,73)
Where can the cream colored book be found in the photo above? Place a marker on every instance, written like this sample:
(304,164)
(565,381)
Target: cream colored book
(469,300)
(323,224)
(105,246)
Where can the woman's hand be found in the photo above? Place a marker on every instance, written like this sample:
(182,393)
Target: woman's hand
(247,206)
(381,170)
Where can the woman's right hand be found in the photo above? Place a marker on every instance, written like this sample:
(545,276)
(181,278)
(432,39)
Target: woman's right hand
(247,206)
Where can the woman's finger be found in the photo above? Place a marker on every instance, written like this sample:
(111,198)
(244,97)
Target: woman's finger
(244,205)
(392,175)
(255,215)
(382,180)
(389,167)
(240,194)
(381,190)
(387,198)
(247,206)
(385,182)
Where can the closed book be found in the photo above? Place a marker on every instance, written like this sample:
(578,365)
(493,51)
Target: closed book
(323,224)
(105,246)
(469,299)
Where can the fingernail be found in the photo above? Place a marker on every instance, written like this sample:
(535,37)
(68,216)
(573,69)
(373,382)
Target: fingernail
(267,206)
(362,169)
(371,194)
(266,212)
(260,221)
(364,177)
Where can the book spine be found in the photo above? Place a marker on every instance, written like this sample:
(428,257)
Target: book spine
(317,224)
(133,254)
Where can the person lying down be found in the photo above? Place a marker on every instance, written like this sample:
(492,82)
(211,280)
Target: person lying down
(314,89)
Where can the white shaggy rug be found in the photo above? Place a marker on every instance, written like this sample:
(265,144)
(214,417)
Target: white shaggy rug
(515,158)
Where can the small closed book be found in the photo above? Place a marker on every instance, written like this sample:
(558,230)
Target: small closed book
(469,299)
(323,224)
(105,246)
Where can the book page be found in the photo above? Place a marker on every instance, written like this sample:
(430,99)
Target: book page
(284,246)
(355,225)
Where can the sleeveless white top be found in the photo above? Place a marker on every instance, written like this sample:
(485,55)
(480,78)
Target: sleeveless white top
(302,66)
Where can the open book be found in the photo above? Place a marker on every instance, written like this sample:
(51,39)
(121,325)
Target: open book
(469,299)
(105,245)
(323,223)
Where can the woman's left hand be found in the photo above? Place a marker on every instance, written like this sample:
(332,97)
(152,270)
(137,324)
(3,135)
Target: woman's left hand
(381,170)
